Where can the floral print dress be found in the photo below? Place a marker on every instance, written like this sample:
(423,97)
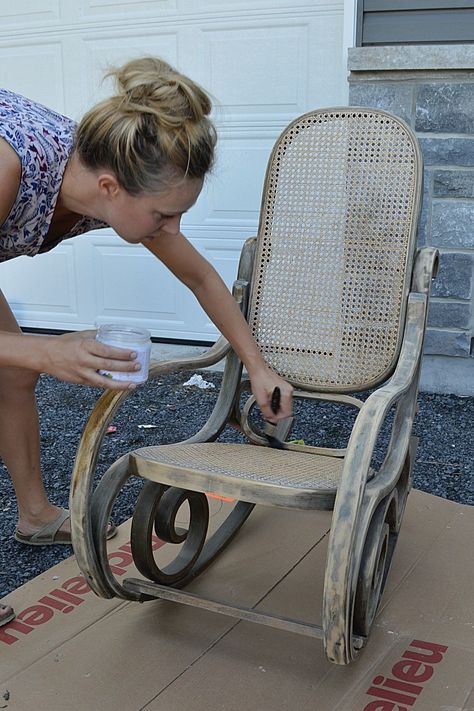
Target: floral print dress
(43,140)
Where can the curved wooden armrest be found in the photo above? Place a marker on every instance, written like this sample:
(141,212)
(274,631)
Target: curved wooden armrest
(109,401)
(425,269)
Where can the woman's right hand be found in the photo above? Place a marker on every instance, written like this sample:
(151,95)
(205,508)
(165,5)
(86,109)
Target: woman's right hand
(77,358)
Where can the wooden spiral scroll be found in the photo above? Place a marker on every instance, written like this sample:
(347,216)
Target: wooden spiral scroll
(156,511)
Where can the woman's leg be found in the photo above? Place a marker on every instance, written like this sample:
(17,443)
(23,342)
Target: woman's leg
(19,439)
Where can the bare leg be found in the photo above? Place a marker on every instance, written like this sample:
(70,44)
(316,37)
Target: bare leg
(19,439)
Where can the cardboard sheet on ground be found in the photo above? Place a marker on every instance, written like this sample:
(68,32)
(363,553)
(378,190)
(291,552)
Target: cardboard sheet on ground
(70,650)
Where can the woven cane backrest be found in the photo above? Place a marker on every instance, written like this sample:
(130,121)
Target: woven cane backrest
(335,248)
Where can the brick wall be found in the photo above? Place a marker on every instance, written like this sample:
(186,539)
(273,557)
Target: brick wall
(432,89)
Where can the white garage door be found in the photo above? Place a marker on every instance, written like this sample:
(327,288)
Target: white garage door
(263,61)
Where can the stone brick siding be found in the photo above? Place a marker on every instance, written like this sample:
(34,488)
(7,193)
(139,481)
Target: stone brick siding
(432,89)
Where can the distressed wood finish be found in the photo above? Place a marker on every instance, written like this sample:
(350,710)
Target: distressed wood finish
(150,591)
(382,290)
(85,538)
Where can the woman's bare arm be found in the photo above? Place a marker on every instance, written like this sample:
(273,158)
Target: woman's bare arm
(76,357)
(196,273)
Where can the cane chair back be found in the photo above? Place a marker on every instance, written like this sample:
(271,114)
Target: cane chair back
(336,243)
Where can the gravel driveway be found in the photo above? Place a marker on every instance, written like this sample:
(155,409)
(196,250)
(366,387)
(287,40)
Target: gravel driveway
(444,464)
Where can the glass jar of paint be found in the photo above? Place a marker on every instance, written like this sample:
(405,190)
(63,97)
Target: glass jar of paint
(132,338)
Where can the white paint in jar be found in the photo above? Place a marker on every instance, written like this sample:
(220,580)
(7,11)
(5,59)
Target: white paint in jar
(131,338)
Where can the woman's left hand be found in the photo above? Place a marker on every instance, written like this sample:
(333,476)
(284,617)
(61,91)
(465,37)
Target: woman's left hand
(263,382)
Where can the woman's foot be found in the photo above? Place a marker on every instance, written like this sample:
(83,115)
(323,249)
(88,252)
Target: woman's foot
(6,614)
(29,525)
(53,532)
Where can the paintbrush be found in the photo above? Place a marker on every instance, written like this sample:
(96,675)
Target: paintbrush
(270,428)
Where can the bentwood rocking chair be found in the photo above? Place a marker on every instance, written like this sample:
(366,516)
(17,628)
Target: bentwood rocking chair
(336,295)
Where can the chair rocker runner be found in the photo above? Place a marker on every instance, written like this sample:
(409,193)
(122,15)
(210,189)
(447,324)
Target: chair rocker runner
(336,295)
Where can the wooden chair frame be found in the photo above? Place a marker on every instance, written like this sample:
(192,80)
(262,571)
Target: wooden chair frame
(367,507)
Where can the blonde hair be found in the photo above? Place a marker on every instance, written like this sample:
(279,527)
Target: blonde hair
(155,130)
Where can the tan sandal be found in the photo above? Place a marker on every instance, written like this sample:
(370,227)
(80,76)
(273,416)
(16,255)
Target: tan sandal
(50,534)
(7,614)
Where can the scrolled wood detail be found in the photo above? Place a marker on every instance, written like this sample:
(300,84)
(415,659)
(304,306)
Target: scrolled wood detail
(373,569)
(156,512)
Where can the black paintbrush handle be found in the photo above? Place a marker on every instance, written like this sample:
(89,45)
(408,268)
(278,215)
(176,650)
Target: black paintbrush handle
(275,401)
(275,405)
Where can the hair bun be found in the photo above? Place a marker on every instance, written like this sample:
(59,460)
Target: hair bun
(156,126)
(151,85)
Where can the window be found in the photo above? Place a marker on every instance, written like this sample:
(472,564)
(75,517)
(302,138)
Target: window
(382,22)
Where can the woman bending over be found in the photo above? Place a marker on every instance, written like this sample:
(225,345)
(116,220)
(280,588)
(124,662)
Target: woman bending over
(136,162)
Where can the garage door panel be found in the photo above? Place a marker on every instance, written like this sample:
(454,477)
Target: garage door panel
(128,282)
(131,286)
(238,84)
(327,70)
(24,68)
(224,253)
(29,10)
(52,298)
(101,53)
(234,190)
(244,7)
(264,62)
(92,8)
